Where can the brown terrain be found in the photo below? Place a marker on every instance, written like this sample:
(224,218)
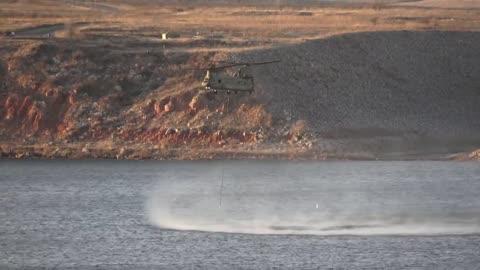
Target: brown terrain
(374,80)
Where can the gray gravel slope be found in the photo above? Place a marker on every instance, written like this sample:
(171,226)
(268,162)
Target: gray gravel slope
(424,83)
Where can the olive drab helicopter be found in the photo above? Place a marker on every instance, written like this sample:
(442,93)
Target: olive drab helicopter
(241,80)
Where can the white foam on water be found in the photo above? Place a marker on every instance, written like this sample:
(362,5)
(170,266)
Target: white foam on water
(197,208)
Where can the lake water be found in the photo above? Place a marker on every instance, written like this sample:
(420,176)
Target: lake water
(239,215)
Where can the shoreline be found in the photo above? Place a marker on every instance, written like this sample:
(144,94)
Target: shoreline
(75,152)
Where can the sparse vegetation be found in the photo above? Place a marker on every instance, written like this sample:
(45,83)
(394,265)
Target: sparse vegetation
(378,4)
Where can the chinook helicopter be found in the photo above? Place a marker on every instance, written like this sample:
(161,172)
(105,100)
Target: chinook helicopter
(219,79)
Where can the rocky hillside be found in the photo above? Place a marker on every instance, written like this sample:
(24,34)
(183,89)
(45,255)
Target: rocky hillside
(364,95)
(64,93)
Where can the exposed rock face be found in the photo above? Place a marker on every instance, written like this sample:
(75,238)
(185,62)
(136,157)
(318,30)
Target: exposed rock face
(10,107)
(475,155)
(469,156)
(169,107)
(159,106)
(198,102)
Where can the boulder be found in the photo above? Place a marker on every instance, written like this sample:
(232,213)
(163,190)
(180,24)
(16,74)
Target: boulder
(169,107)
(198,102)
(157,107)
(475,155)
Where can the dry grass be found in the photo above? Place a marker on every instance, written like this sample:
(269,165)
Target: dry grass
(276,25)
(462,4)
(287,25)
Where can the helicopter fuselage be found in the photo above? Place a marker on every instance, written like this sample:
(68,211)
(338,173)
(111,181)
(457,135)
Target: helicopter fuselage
(216,81)
(218,77)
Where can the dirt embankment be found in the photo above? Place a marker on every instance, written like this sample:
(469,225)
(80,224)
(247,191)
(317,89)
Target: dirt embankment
(364,95)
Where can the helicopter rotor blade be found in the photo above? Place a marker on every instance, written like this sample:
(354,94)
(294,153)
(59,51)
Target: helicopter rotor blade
(224,62)
(227,66)
(264,63)
(231,64)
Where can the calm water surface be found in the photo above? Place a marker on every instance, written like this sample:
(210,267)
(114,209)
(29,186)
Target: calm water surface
(239,215)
